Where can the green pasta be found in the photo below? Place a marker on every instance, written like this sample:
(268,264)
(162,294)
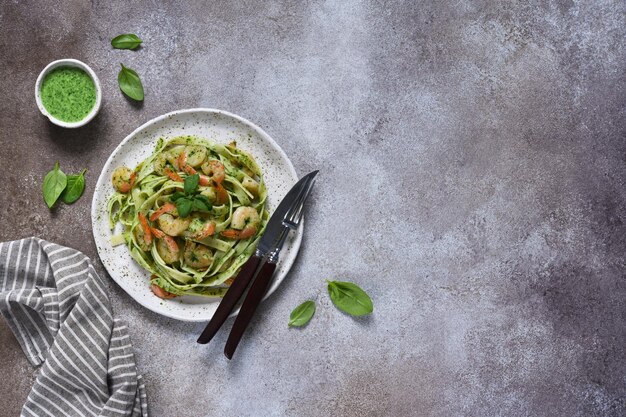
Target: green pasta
(192,214)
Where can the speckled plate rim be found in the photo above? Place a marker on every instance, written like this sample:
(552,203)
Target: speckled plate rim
(288,255)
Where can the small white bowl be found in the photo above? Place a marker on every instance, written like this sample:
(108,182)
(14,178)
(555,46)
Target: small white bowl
(69,63)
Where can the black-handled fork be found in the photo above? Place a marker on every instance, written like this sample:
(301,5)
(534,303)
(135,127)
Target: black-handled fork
(261,265)
(264,277)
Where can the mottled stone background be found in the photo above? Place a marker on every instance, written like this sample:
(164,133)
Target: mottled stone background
(472,159)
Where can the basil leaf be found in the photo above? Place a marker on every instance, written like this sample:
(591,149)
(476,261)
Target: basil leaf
(302,314)
(75,188)
(177,195)
(205,199)
(126,41)
(184,206)
(54,183)
(191,183)
(130,84)
(350,298)
(200,205)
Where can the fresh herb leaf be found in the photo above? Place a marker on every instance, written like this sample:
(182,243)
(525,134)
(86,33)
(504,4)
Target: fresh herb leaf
(126,41)
(53,185)
(75,188)
(130,83)
(184,206)
(177,195)
(205,199)
(302,314)
(200,205)
(191,183)
(350,298)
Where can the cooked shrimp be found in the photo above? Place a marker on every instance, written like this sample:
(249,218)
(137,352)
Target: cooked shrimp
(168,249)
(173,154)
(145,228)
(215,170)
(182,164)
(173,175)
(239,234)
(196,155)
(173,226)
(251,185)
(210,194)
(197,256)
(202,179)
(160,292)
(191,157)
(140,237)
(245,216)
(123,179)
(207,230)
(160,163)
(245,223)
(166,246)
(165,208)
(167,159)
(222,194)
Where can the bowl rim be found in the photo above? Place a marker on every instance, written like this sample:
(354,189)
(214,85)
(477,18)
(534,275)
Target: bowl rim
(69,62)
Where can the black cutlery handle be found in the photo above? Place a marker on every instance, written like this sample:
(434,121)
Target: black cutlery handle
(253,299)
(230,299)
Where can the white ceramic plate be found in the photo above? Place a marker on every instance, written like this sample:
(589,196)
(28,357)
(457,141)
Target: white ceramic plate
(218,126)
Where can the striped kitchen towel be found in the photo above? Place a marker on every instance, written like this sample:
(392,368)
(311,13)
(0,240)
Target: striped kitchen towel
(58,309)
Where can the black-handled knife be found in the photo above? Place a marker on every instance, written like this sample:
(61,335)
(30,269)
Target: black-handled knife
(262,282)
(270,243)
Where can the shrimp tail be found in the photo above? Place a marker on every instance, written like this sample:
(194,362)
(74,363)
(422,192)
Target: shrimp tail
(159,234)
(239,234)
(182,164)
(222,194)
(182,160)
(126,187)
(204,180)
(207,231)
(173,175)
(147,232)
(165,208)
(171,243)
(160,292)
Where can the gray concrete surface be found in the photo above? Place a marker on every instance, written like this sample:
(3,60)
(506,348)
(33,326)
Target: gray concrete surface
(473,161)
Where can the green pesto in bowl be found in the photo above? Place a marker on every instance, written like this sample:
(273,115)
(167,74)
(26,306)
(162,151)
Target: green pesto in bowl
(68,93)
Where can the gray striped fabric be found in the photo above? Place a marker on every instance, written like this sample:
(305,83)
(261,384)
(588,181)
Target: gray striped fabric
(58,309)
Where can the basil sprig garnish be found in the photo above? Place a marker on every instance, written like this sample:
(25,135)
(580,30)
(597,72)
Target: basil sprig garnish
(126,41)
(130,83)
(350,298)
(302,314)
(187,202)
(202,203)
(184,206)
(53,185)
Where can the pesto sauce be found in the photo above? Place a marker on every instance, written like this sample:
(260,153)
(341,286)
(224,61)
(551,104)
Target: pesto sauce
(68,94)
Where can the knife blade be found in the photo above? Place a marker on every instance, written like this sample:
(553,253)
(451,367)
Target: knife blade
(264,276)
(248,270)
